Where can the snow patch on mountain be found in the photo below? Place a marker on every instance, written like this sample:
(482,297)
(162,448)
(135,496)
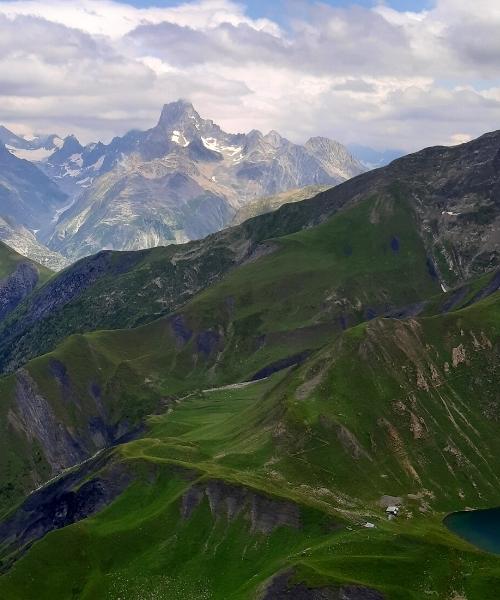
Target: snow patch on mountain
(179,138)
(98,164)
(70,172)
(31,154)
(228,151)
(76,159)
(85,182)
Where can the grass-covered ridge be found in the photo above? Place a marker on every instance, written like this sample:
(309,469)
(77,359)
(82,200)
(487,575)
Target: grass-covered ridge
(271,203)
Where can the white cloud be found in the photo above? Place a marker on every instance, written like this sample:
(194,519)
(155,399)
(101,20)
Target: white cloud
(379,77)
(459,138)
(113,19)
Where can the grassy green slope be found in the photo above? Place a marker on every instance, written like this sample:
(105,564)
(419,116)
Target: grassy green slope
(352,267)
(112,290)
(270,203)
(312,285)
(402,408)
(141,548)
(415,405)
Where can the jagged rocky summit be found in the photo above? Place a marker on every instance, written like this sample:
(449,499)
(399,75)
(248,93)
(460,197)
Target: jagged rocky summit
(180,180)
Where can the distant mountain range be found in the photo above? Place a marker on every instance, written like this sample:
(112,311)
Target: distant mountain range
(183,179)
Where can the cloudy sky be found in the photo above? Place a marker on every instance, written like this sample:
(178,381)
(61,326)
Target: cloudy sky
(394,74)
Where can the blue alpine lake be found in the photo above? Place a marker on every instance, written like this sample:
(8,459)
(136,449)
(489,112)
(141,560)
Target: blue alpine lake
(479,527)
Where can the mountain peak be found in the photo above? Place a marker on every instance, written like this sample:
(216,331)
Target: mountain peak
(273,138)
(70,146)
(323,146)
(176,112)
(9,137)
(71,142)
(321,141)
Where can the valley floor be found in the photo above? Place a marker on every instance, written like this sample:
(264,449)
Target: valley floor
(208,513)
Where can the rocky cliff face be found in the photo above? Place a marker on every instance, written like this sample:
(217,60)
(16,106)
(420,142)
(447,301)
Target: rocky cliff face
(16,287)
(282,587)
(230,502)
(60,412)
(73,497)
(35,417)
(456,193)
